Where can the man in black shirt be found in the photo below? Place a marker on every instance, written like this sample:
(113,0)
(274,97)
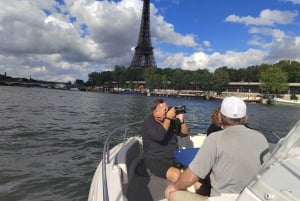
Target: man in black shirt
(160,131)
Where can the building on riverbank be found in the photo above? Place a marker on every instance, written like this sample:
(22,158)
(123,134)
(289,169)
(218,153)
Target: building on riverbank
(254,87)
(248,91)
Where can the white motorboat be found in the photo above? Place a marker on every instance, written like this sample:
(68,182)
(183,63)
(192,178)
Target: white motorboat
(116,177)
(286,102)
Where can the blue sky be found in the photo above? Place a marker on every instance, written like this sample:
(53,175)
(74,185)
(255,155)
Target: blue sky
(208,21)
(65,40)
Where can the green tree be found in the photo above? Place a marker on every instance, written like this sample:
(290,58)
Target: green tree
(94,79)
(292,68)
(164,81)
(274,80)
(79,82)
(119,75)
(176,79)
(150,77)
(201,79)
(135,74)
(220,79)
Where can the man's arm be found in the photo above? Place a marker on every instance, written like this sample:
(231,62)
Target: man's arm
(184,128)
(167,119)
(166,123)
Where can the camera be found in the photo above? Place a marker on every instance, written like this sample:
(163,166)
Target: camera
(179,109)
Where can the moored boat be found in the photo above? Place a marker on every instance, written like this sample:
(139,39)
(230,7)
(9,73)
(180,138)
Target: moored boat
(286,102)
(247,99)
(117,177)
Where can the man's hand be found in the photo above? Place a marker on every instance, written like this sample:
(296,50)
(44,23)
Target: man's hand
(171,113)
(180,117)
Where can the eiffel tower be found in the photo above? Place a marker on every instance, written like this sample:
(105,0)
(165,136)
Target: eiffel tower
(143,56)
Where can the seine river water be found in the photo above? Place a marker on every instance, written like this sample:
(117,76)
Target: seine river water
(51,140)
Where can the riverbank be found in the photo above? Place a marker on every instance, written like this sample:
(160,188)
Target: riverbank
(250,97)
(210,95)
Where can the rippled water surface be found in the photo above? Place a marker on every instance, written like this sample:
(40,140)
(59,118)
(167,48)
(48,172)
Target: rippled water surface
(51,140)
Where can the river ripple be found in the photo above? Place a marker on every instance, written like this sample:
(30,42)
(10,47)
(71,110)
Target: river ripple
(51,140)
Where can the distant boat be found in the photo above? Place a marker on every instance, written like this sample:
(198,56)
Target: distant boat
(286,102)
(131,92)
(256,99)
(247,99)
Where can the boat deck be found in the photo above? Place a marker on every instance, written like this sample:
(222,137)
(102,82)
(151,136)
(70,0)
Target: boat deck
(147,188)
(152,188)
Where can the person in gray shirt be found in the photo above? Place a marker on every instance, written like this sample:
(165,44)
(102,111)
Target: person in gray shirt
(230,158)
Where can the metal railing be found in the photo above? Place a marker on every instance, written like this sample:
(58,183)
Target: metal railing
(105,157)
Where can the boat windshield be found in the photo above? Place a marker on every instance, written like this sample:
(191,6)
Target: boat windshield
(287,148)
(279,179)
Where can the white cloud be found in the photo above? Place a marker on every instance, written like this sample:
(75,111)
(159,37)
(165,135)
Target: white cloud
(206,43)
(232,59)
(111,30)
(266,17)
(259,41)
(286,48)
(39,39)
(275,33)
(173,60)
(164,32)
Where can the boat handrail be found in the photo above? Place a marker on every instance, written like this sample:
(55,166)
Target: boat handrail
(105,155)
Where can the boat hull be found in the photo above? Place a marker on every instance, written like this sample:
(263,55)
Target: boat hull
(286,102)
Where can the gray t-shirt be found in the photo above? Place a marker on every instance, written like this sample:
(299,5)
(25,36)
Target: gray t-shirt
(232,156)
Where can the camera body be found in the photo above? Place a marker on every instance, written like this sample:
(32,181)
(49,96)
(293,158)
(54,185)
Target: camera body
(179,109)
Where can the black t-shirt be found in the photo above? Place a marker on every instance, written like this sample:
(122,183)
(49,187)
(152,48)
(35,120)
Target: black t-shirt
(157,142)
(213,128)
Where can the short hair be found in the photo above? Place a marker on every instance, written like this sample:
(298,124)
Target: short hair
(226,121)
(155,103)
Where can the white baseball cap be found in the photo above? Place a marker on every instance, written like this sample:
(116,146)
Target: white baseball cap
(233,107)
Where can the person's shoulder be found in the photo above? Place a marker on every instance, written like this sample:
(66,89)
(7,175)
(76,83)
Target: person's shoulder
(213,139)
(249,129)
(149,117)
(213,128)
(254,132)
(215,135)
